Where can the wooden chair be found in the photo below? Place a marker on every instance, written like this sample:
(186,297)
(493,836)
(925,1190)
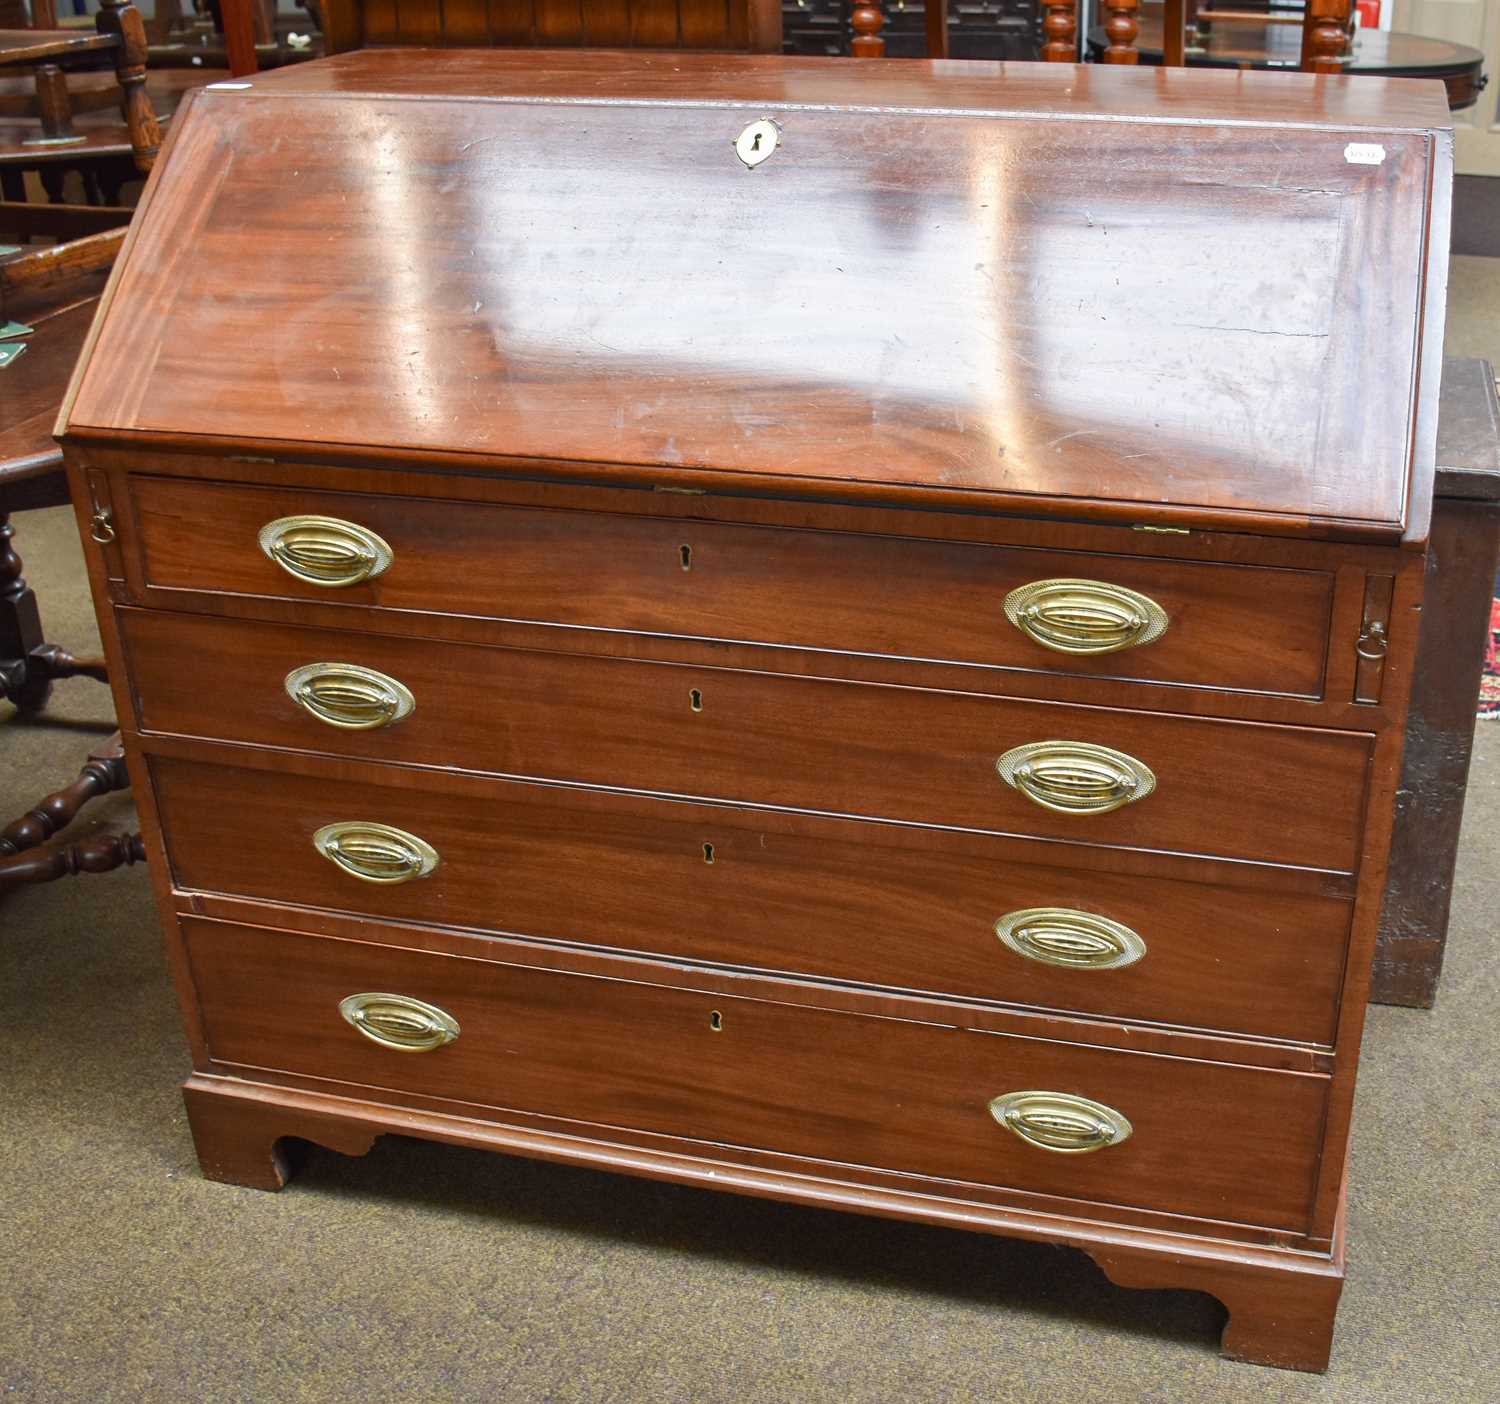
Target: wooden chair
(738,25)
(54,145)
(47,301)
(121,34)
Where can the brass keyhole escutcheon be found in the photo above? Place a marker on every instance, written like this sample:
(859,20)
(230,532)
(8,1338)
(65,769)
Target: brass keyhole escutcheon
(757,142)
(715,1021)
(695,699)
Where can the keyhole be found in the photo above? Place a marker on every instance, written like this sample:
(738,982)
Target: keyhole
(708,853)
(715,1021)
(755,145)
(695,699)
(687,557)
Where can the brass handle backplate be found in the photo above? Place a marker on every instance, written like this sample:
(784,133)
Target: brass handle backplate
(1075,777)
(1059,1121)
(398,1021)
(325,551)
(1085,616)
(346,695)
(1072,939)
(375,852)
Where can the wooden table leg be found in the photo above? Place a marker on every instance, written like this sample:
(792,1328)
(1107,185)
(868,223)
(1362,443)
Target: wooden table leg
(20,631)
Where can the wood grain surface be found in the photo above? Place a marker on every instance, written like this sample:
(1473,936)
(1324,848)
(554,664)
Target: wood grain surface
(721,885)
(807,1082)
(1274,794)
(1006,368)
(1233,627)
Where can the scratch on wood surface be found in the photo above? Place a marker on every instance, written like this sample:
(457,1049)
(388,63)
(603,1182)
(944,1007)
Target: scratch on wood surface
(1063,438)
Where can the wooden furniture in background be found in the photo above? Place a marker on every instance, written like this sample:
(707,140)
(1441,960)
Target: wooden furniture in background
(751,25)
(1060,27)
(1004,30)
(52,293)
(121,35)
(243,36)
(54,143)
(1440,735)
(673,712)
(27,852)
(101,156)
(1370,53)
(1323,47)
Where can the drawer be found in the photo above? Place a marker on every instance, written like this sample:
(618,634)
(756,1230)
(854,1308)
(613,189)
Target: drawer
(870,904)
(1225,626)
(851,1088)
(1231,789)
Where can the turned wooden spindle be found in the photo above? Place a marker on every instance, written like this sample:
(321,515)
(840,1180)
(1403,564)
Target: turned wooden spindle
(1060,25)
(123,20)
(54,106)
(101,854)
(1325,36)
(28,665)
(56,662)
(20,630)
(1120,29)
(104,772)
(867,18)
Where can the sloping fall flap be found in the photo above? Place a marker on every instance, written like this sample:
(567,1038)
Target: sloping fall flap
(1218,317)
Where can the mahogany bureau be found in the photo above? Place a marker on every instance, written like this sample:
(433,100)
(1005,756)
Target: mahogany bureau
(831,631)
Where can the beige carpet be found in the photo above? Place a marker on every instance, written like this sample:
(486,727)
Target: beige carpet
(429,1273)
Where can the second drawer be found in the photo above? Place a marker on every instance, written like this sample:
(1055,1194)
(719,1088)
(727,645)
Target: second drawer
(1279,794)
(868,904)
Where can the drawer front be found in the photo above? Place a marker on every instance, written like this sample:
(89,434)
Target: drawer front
(1225,626)
(863,1090)
(895,907)
(1231,789)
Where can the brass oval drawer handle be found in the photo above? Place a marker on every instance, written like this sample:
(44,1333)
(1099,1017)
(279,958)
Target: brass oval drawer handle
(398,1021)
(1075,777)
(1085,616)
(1073,939)
(1059,1121)
(346,695)
(375,852)
(325,551)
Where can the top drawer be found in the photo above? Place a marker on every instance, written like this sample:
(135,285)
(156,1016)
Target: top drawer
(1242,628)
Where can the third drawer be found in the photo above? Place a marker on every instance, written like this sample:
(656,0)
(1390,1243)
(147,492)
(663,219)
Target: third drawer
(879,905)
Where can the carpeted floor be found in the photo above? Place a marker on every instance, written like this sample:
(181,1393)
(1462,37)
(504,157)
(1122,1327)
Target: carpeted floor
(426,1272)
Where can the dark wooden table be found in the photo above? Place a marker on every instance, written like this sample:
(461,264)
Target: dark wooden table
(1265,46)
(1461,567)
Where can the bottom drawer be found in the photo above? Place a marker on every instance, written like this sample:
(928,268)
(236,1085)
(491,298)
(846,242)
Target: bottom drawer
(1204,1139)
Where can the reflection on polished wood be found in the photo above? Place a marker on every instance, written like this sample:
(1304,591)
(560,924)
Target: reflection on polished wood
(1007,371)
